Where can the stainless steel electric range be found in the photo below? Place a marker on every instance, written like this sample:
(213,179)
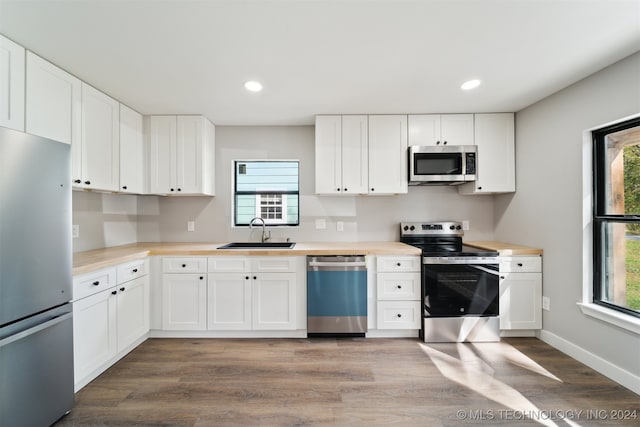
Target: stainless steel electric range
(460,284)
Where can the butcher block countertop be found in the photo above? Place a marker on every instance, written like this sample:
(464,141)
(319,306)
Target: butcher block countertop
(85,262)
(505,249)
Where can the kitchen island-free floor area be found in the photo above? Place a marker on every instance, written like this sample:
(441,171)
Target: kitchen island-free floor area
(368,382)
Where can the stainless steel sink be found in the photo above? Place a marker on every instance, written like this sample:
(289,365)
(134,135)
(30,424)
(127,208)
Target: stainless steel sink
(258,245)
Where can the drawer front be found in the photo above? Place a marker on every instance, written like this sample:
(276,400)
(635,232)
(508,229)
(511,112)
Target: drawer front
(273,264)
(398,286)
(398,263)
(132,270)
(522,264)
(229,264)
(184,265)
(91,283)
(398,314)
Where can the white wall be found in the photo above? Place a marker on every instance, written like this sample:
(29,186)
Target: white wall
(365,218)
(546,211)
(104,220)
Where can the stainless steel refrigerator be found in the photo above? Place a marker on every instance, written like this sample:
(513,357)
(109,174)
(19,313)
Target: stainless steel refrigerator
(36,326)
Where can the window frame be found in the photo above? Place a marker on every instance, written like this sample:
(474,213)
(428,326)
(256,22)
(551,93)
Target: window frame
(600,217)
(285,194)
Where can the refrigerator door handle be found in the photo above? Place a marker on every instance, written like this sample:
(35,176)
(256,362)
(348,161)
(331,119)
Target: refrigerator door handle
(35,329)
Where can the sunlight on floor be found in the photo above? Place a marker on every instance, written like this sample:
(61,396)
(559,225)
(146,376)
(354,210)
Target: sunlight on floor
(472,369)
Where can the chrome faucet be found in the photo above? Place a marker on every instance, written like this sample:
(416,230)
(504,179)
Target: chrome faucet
(265,236)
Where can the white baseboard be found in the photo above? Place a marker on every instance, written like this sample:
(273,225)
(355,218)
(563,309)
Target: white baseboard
(606,368)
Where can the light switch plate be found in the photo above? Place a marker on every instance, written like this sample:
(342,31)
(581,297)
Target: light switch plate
(339,226)
(191,226)
(75,231)
(321,224)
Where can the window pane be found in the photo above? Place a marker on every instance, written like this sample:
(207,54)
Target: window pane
(620,283)
(266,176)
(266,189)
(622,172)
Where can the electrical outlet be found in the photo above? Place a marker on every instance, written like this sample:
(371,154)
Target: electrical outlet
(465,225)
(321,224)
(339,226)
(75,231)
(546,303)
(191,226)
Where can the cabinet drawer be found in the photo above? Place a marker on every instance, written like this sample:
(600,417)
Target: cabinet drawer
(229,264)
(523,264)
(399,286)
(91,283)
(398,263)
(184,265)
(398,314)
(132,270)
(273,264)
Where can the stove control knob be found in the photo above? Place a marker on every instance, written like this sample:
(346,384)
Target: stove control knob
(458,227)
(405,228)
(452,227)
(412,228)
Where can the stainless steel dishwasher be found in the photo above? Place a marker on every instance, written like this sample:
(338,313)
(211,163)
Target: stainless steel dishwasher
(336,295)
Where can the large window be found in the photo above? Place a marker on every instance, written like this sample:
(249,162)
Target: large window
(267,189)
(616,217)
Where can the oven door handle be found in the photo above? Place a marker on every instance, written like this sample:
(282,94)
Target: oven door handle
(485,269)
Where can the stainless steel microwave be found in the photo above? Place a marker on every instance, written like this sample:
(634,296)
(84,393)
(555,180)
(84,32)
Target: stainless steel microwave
(442,165)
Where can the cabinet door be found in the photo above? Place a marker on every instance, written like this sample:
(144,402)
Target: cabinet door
(424,129)
(495,141)
(274,301)
(94,332)
(184,302)
(131,151)
(456,129)
(229,301)
(133,311)
(162,154)
(189,154)
(520,301)
(328,151)
(355,155)
(11,84)
(388,154)
(54,101)
(100,140)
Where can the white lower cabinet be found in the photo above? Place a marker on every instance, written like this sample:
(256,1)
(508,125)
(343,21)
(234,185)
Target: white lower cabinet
(398,287)
(184,302)
(252,293)
(521,293)
(109,318)
(229,301)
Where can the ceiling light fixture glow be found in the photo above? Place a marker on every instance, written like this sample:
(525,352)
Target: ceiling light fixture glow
(470,84)
(253,86)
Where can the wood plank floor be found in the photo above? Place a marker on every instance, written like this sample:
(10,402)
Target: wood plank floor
(350,382)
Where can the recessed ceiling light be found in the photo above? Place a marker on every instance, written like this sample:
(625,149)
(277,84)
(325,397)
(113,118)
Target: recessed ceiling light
(470,84)
(253,86)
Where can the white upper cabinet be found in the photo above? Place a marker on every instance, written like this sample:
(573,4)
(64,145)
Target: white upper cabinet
(12,63)
(131,151)
(342,162)
(99,151)
(388,154)
(441,129)
(495,141)
(54,101)
(182,155)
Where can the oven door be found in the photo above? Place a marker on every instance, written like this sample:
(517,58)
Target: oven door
(458,287)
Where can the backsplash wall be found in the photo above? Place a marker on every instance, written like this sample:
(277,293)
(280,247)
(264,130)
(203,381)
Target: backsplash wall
(365,218)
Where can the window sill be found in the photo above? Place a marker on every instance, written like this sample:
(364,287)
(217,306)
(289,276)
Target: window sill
(613,317)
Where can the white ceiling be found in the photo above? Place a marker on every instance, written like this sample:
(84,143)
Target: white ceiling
(325,56)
